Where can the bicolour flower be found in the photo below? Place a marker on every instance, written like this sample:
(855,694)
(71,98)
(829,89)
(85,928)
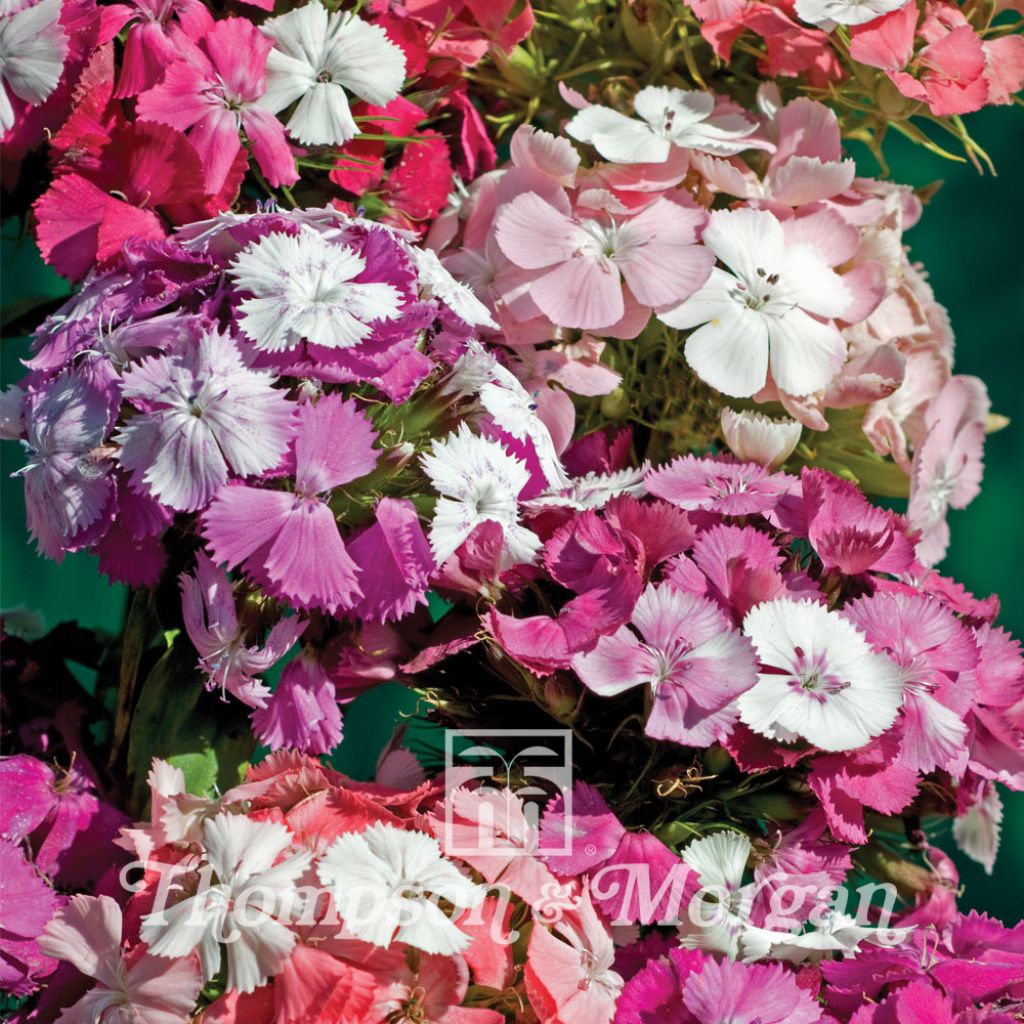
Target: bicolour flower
(214,91)
(303,288)
(569,970)
(211,621)
(68,484)
(386,882)
(33,48)
(204,415)
(845,12)
(147,990)
(479,481)
(584,262)
(694,663)
(251,896)
(719,860)
(290,539)
(754,437)
(820,680)
(770,311)
(668,117)
(716,485)
(930,647)
(316,57)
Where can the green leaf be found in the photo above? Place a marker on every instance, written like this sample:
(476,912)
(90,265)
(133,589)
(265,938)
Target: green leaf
(177,720)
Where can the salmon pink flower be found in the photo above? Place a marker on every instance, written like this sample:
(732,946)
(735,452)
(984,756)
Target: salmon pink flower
(769,311)
(316,57)
(212,90)
(695,665)
(291,540)
(141,988)
(820,680)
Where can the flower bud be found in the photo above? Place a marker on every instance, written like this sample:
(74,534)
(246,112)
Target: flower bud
(754,437)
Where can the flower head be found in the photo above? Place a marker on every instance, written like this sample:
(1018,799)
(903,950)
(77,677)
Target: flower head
(668,117)
(479,481)
(250,899)
(769,310)
(694,663)
(820,680)
(303,288)
(386,881)
(316,57)
(204,415)
(33,48)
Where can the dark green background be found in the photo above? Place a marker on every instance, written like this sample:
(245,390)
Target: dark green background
(970,240)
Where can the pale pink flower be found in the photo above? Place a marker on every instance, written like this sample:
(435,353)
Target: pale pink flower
(291,539)
(489,829)
(771,310)
(820,680)
(204,415)
(947,467)
(140,988)
(586,261)
(226,654)
(695,664)
(213,90)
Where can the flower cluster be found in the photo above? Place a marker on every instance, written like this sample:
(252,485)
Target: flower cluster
(303,895)
(762,623)
(538,355)
(746,244)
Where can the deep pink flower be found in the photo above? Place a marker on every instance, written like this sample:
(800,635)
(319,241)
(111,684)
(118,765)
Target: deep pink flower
(748,994)
(653,993)
(153,40)
(291,540)
(695,664)
(395,560)
(718,485)
(212,90)
(932,650)
(303,711)
(26,904)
